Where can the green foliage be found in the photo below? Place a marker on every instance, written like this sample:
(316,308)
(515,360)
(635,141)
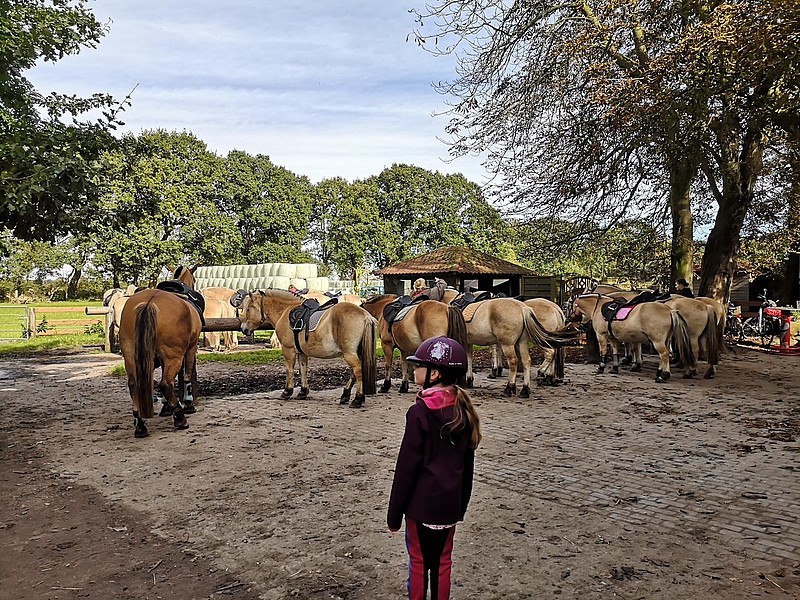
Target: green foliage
(40,344)
(46,153)
(269,207)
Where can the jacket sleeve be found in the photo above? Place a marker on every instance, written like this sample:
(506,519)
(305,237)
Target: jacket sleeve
(466,482)
(409,460)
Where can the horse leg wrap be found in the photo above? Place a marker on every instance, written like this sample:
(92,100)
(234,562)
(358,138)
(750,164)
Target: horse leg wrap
(188,396)
(166,410)
(510,389)
(345,397)
(178,418)
(636,367)
(358,401)
(387,385)
(525,392)
(404,387)
(140,429)
(626,360)
(601,367)
(615,369)
(303,394)
(286,393)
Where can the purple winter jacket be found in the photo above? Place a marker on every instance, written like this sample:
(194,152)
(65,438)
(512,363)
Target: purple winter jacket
(433,476)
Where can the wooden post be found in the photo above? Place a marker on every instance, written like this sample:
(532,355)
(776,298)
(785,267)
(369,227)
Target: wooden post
(107,321)
(32,321)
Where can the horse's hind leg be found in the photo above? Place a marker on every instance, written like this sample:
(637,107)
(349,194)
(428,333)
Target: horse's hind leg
(663,373)
(637,358)
(356,376)
(469,381)
(510,352)
(388,359)
(190,375)
(303,360)
(524,356)
(289,354)
(169,371)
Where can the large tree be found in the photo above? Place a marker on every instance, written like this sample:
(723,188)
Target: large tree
(47,153)
(599,110)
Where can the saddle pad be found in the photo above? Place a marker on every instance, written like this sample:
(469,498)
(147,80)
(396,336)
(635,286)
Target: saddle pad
(469,311)
(773,312)
(403,312)
(623,313)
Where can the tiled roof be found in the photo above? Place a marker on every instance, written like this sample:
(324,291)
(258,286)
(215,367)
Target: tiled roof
(455,259)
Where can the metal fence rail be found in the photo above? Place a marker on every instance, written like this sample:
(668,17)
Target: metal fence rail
(14,322)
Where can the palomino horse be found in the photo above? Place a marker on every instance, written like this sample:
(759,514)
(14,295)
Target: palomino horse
(344,329)
(702,324)
(115,299)
(512,325)
(322,298)
(423,320)
(218,306)
(160,327)
(653,321)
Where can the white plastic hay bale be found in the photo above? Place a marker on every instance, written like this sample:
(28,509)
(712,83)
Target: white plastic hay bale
(263,283)
(286,270)
(299,283)
(269,269)
(202,273)
(303,271)
(280,283)
(321,284)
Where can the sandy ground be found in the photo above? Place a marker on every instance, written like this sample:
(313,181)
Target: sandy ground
(609,486)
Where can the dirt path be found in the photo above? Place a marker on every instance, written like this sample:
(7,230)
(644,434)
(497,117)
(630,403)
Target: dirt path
(608,486)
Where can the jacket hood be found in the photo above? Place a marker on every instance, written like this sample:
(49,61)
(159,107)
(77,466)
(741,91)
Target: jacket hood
(438,397)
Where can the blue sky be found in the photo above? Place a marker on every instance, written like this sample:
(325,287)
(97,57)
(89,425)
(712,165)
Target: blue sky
(324,88)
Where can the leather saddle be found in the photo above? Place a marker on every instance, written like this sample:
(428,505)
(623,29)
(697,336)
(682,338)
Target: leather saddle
(184,291)
(391,310)
(306,316)
(469,298)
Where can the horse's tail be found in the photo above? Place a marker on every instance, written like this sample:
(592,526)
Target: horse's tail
(144,357)
(369,359)
(559,359)
(546,339)
(681,339)
(713,336)
(456,325)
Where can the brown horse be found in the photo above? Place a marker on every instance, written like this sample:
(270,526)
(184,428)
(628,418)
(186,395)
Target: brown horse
(701,321)
(511,325)
(653,321)
(552,318)
(343,330)
(423,320)
(160,327)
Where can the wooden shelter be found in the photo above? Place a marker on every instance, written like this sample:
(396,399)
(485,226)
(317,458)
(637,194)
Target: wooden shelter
(464,269)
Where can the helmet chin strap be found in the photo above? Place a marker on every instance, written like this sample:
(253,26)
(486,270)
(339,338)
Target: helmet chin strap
(428,383)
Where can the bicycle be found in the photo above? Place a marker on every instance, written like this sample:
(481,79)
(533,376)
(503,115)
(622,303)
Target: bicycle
(766,325)
(734,331)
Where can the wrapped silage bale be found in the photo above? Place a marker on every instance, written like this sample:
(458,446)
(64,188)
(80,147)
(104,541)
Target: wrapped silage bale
(320,284)
(303,271)
(299,283)
(280,283)
(286,270)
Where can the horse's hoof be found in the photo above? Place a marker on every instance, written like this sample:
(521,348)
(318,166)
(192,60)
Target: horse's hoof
(166,410)
(709,375)
(508,391)
(404,387)
(636,368)
(357,402)
(615,370)
(492,375)
(660,379)
(600,370)
(688,375)
(525,392)
(286,393)
(141,433)
(188,408)
(179,421)
(469,383)
(666,375)
(385,387)
(303,394)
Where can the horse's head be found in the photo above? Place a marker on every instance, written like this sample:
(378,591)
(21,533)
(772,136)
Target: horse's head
(250,309)
(583,306)
(185,275)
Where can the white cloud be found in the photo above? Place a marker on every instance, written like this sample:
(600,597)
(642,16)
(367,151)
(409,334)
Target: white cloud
(325,89)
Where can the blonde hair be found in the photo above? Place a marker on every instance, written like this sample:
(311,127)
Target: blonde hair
(419,284)
(465,415)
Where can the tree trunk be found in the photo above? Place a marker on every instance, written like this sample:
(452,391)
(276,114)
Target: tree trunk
(72,286)
(790,289)
(681,174)
(740,168)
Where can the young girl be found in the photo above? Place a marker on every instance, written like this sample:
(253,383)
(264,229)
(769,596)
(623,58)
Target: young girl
(433,477)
